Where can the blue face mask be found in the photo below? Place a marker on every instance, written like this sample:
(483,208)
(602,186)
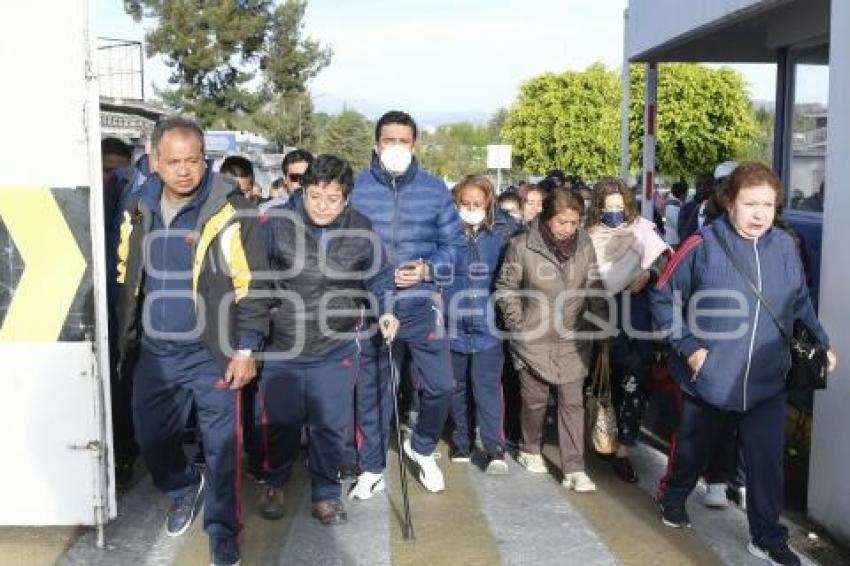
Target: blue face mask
(612,219)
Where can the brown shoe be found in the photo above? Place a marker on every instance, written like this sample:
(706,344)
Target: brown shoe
(271,503)
(330,512)
(623,469)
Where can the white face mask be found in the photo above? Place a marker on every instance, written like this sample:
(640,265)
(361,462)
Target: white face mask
(396,159)
(472,217)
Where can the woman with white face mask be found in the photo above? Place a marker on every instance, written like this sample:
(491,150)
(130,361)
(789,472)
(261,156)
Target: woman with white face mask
(477,354)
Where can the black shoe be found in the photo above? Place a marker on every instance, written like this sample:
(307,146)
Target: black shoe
(182,511)
(624,470)
(254,471)
(780,554)
(224,552)
(123,475)
(460,454)
(272,503)
(674,516)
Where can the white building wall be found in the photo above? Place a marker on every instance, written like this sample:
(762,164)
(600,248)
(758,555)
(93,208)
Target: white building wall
(829,490)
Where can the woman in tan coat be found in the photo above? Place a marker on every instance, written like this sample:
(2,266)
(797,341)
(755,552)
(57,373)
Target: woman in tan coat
(545,287)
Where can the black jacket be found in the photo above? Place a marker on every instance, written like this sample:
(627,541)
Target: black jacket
(228,251)
(323,301)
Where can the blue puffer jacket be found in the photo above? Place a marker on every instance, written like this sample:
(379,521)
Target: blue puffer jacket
(415,217)
(470,312)
(747,356)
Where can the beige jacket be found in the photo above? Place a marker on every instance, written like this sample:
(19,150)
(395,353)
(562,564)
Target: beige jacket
(542,302)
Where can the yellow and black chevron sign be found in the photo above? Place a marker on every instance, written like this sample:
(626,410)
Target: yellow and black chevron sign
(45,264)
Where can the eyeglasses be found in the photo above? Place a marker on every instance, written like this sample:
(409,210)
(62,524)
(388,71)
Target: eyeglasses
(294,177)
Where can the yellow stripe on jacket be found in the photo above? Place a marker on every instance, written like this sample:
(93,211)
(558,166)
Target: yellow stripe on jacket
(237,261)
(211,229)
(124,232)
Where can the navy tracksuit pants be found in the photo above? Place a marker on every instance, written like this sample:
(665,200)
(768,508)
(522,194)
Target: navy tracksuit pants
(422,332)
(166,386)
(761,432)
(483,370)
(316,392)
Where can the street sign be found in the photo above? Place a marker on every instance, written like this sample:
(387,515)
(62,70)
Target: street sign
(499,156)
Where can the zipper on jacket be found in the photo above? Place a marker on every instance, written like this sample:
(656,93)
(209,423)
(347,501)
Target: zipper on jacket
(395,218)
(164,259)
(755,323)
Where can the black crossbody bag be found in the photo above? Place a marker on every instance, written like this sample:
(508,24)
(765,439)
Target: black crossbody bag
(809,361)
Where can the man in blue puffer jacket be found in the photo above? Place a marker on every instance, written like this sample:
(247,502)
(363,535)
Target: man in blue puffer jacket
(417,222)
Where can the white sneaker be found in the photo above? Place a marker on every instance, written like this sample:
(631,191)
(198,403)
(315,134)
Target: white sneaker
(715,496)
(429,473)
(532,462)
(368,484)
(578,482)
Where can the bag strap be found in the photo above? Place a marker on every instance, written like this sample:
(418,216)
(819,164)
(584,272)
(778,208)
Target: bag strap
(601,380)
(753,288)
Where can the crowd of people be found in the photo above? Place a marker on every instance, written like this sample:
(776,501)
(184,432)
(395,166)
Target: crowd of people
(270,322)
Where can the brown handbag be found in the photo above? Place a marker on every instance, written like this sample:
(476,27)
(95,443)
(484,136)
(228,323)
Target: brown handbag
(600,420)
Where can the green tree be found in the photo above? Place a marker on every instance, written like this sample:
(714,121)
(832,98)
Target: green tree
(761,149)
(216,47)
(348,135)
(705,117)
(567,121)
(496,124)
(287,120)
(453,151)
(291,60)
(571,121)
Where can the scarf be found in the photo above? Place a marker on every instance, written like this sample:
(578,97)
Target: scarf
(563,249)
(623,252)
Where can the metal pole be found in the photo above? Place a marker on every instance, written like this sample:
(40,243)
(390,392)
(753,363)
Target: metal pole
(407,527)
(142,67)
(649,125)
(498,181)
(625,101)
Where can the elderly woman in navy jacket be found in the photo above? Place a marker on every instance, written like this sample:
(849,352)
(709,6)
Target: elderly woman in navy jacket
(328,270)
(730,356)
(477,354)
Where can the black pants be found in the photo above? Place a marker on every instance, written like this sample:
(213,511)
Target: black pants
(761,432)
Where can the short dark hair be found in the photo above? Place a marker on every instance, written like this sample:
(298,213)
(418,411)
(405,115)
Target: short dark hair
(184,125)
(395,117)
(329,168)
(509,196)
(296,156)
(560,199)
(237,166)
(115,146)
(556,175)
(679,189)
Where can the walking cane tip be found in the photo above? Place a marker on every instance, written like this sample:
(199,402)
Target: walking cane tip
(408,533)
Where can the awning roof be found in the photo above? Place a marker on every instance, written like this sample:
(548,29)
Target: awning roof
(722,31)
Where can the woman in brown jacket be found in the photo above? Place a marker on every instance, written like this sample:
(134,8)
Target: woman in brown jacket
(546,285)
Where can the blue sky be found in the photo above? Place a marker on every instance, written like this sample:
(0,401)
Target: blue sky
(443,60)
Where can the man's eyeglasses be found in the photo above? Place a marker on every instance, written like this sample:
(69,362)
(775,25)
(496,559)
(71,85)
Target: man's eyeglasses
(294,177)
